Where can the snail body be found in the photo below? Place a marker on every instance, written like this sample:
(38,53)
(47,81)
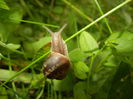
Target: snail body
(57,63)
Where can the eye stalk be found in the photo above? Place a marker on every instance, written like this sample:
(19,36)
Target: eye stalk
(58,63)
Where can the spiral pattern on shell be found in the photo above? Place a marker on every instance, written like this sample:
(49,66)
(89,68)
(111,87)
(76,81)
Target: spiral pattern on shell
(56,66)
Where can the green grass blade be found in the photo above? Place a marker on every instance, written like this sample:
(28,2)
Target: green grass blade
(78,11)
(106,21)
(10,69)
(37,23)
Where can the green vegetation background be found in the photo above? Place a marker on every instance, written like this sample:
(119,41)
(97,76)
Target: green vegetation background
(101,56)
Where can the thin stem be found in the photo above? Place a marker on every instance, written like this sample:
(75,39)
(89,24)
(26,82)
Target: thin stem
(91,65)
(101,62)
(40,94)
(49,91)
(74,35)
(93,59)
(59,95)
(106,21)
(78,11)
(37,23)
(13,84)
(39,3)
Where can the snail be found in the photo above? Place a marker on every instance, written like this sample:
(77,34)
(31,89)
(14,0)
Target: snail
(57,63)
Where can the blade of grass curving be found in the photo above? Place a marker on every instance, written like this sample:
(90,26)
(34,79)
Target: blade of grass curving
(37,23)
(39,3)
(105,19)
(40,94)
(98,19)
(74,35)
(78,11)
(49,91)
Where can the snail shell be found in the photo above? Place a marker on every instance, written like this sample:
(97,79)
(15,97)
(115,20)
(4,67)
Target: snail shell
(56,66)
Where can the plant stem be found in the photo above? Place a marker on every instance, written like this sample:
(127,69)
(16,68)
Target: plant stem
(106,21)
(40,94)
(38,23)
(10,69)
(78,11)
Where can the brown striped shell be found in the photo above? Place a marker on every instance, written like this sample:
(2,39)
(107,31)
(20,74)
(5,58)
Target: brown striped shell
(56,66)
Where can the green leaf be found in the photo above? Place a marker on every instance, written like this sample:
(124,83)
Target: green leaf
(81,70)
(13,46)
(87,42)
(24,77)
(78,53)
(123,43)
(32,47)
(112,61)
(3,5)
(39,44)
(103,68)
(124,47)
